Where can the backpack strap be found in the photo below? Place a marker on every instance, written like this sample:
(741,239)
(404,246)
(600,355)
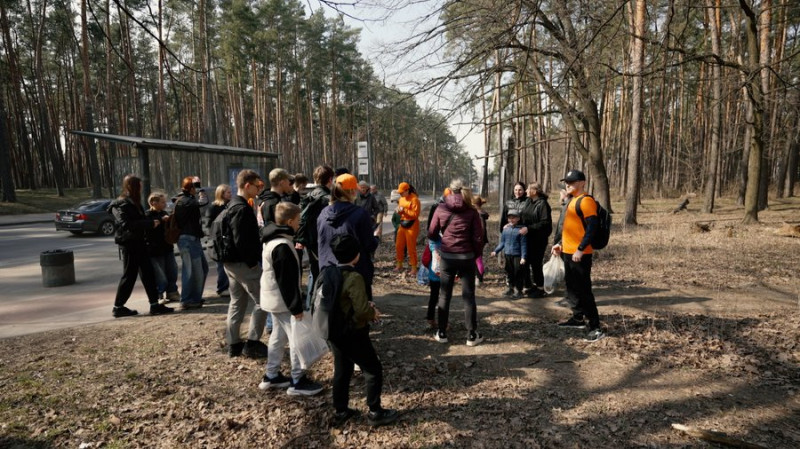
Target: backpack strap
(578,208)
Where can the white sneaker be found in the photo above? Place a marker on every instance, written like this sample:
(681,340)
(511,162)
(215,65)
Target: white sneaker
(224,293)
(441,337)
(474,339)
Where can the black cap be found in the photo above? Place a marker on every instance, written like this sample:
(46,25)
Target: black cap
(574,175)
(341,171)
(345,248)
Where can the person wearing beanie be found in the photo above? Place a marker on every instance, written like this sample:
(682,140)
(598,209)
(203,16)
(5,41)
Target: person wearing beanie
(353,345)
(342,216)
(408,207)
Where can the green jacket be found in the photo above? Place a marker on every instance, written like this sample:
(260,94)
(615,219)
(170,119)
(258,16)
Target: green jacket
(354,296)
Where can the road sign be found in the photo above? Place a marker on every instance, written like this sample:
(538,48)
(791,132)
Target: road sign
(363,166)
(363,150)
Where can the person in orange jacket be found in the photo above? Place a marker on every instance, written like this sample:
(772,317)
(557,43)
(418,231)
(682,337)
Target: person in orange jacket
(408,207)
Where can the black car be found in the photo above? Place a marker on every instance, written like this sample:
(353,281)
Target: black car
(88,216)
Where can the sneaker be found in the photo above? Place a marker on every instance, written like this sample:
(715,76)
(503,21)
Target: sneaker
(339,418)
(224,293)
(122,311)
(304,387)
(279,381)
(235,349)
(572,323)
(160,309)
(595,335)
(536,293)
(254,349)
(474,339)
(440,336)
(517,295)
(191,305)
(173,296)
(509,292)
(382,417)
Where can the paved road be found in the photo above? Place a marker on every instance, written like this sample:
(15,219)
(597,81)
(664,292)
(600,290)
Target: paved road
(27,307)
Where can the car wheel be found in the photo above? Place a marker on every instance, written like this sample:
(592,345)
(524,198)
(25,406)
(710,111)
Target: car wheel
(106,228)
(76,232)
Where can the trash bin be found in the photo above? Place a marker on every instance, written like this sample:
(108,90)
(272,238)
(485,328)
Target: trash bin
(58,268)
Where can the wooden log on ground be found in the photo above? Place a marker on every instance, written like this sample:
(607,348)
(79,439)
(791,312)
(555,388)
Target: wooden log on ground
(789,230)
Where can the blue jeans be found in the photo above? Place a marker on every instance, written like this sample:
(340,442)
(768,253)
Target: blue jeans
(194,269)
(223,283)
(165,269)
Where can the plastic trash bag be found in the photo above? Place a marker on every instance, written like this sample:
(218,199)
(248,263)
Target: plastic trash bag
(306,343)
(553,273)
(423,275)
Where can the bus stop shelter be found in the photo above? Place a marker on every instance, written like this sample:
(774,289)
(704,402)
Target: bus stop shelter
(162,164)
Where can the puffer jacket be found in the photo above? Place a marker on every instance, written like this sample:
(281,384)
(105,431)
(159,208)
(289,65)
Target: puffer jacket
(280,278)
(346,218)
(463,235)
(512,204)
(156,244)
(130,222)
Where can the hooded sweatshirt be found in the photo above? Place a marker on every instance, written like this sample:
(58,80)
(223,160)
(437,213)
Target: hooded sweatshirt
(463,235)
(346,218)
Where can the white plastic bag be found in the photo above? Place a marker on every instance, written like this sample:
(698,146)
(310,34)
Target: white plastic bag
(436,262)
(553,273)
(306,343)
(422,275)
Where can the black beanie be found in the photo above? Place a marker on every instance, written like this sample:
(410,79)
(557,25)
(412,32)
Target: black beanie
(345,247)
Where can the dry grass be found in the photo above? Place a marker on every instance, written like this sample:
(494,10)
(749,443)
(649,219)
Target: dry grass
(703,327)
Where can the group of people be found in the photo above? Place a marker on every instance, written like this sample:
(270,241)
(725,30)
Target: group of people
(339,224)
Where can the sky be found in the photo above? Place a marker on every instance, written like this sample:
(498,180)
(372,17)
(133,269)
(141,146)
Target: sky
(378,32)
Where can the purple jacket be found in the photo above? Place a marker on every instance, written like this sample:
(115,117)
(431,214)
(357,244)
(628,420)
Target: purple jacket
(464,234)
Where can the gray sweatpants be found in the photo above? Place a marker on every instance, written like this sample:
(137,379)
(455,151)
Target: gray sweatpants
(245,286)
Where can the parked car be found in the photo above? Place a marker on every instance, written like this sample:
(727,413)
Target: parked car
(88,216)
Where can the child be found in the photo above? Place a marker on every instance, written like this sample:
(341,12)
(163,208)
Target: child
(280,295)
(435,284)
(162,254)
(514,246)
(354,346)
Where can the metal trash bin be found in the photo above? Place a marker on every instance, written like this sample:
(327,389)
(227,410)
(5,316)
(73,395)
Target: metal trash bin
(58,268)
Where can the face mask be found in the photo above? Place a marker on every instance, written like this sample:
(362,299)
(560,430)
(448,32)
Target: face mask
(196,185)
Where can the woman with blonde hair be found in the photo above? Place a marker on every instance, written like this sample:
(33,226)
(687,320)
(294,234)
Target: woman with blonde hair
(342,216)
(222,196)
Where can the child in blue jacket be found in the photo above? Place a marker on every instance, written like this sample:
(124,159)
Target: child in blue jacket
(514,246)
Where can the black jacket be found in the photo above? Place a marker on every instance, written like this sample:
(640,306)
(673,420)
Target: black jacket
(536,215)
(312,206)
(156,245)
(269,199)
(244,227)
(187,212)
(130,222)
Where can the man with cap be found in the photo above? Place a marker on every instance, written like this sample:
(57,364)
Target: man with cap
(281,185)
(573,243)
(384,206)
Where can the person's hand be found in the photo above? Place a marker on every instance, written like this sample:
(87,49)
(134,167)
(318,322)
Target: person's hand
(523,231)
(577,256)
(299,246)
(493,254)
(299,316)
(522,261)
(156,223)
(556,251)
(259,216)
(399,209)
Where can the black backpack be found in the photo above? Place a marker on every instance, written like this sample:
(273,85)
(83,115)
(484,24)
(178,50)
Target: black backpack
(603,231)
(328,320)
(222,238)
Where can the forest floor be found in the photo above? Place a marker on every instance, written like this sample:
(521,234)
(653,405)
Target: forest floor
(703,330)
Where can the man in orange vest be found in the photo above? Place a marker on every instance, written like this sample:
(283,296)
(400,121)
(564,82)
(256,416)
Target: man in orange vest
(573,242)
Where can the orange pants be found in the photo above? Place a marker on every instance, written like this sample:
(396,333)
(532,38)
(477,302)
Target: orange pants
(407,240)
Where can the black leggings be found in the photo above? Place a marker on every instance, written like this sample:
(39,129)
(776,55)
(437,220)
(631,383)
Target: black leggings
(535,260)
(356,348)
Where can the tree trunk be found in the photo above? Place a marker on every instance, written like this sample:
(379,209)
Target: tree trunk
(635,148)
(755,98)
(716,109)
(9,194)
(94,170)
